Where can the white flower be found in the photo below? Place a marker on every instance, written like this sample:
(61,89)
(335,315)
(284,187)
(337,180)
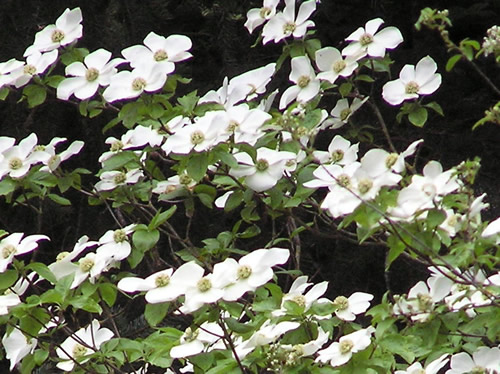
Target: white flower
(17,346)
(36,64)
(245,123)
(67,29)
(82,343)
(54,160)
(200,290)
(306,85)
(338,353)
(332,65)
(174,183)
(6,69)
(298,295)
(195,341)
(263,173)
(484,360)
(342,112)
(413,82)
(112,179)
(63,265)
(493,228)
(115,244)
(14,245)
(96,70)
(7,300)
(367,41)
(16,160)
(432,368)
(340,151)
(158,50)
(285,24)
(90,266)
(348,308)
(257,16)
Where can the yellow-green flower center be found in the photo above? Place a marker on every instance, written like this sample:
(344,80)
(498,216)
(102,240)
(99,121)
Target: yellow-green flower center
(343,180)
(303,81)
(300,300)
(39,147)
(244,271)
(338,66)
(337,155)
(162,280)
(79,351)
(478,370)
(190,335)
(341,302)
(53,162)
(185,179)
(138,84)
(365,39)
(346,346)
(391,160)
(29,69)
(86,264)
(15,163)
(264,12)
(197,137)
(262,164)
(412,88)
(204,285)
(364,185)
(418,371)
(61,256)
(116,146)
(289,28)
(8,250)
(233,125)
(119,236)
(424,301)
(91,74)
(344,114)
(120,178)
(57,36)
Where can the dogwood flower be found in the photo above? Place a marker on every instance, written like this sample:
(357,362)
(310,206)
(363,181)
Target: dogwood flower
(90,266)
(160,51)
(285,24)
(332,65)
(115,244)
(348,308)
(339,353)
(82,343)
(257,16)
(263,173)
(413,82)
(367,41)
(342,111)
(306,85)
(63,265)
(195,341)
(8,300)
(245,123)
(55,159)
(298,295)
(112,179)
(199,290)
(432,368)
(340,151)
(14,245)
(16,160)
(95,70)
(17,346)
(66,30)
(36,63)
(483,360)
(6,69)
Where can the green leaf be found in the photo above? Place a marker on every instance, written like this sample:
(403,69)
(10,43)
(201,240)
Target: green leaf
(452,61)
(58,199)
(155,313)
(197,166)
(435,217)
(188,102)
(435,107)
(86,303)
(43,271)
(345,89)
(312,45)
(108,293)
(161,217)
(4,92)
(40,356)
(35,94)
(365,78)
(119,160)
(8,278)
(396,247)
(233,201)
(144,240)
(238,327)
(418,117)
(54,80)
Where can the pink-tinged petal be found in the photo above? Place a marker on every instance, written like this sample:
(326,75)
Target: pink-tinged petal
(425,69)
(68,87)
(407,74)
(305,10)
(373,25)
(97,59)
(390,37)
(394,92)
(76,69)
(430,86)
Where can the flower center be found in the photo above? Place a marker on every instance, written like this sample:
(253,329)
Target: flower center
(343,180)
(338,66)
(244,272)
(289,27)
(264,12)
(15,163)
(424,301)
(185,179)
(341,302)
(79,351)
(412,88)
(57,36)
(61,256)
(233,125)
(39,147)
(162,280)
(8,250)
(364,185)
(478,370)
(391,160)
(418,371)
(120,178)
(300,300)
(86,264)
(204,285)
(160,55)
(366,39)
(138,84)
(346,346)
(337,155)
(29,69)
(453,220)
(190,335)
(197,137)
(303,81)
(262,165)
(116,146)
(119,236)
(91,74)
(344,114)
